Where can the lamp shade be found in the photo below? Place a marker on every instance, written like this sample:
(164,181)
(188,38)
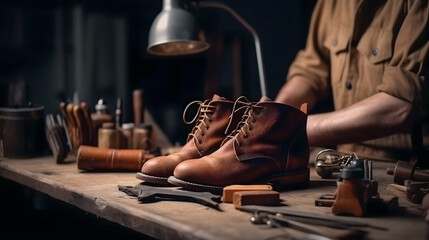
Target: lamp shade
(174,32)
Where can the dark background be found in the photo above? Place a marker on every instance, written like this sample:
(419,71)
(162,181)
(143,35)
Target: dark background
(97,48)
(50,49)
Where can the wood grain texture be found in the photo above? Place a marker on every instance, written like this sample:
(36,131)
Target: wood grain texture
(98,194)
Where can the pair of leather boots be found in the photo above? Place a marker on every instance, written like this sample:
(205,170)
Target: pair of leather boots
(239,142)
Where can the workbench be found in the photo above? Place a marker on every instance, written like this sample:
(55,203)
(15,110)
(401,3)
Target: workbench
(98,194)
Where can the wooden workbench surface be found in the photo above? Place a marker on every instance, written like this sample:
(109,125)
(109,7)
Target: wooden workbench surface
(98,193)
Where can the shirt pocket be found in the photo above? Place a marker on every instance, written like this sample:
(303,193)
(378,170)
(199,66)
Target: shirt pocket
(337,43)
(376,45)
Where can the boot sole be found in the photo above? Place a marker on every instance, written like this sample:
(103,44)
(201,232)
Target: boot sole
(296,179)
(153,179)
(194,186)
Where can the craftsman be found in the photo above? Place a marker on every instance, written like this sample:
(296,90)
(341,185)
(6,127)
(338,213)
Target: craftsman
(371,57)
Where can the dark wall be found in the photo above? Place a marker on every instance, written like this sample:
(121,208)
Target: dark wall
(51,49)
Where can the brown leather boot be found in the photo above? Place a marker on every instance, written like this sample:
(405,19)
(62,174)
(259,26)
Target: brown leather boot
(269,146)
(212,126)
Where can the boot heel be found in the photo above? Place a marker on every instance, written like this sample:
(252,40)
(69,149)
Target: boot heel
(296,179)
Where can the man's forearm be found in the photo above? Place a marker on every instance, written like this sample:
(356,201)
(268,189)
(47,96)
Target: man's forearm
(296,92)
(377,116)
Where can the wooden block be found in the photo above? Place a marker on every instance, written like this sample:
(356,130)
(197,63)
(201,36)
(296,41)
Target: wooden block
(264,198)
(397,190)
(228,191)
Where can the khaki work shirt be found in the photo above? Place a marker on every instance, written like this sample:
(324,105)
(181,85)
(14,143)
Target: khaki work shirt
(356,48)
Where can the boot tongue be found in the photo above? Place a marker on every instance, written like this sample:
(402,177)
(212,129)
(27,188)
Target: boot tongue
(217,98)
(265,99)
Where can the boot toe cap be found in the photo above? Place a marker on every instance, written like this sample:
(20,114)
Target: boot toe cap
(158,167)
(192,171)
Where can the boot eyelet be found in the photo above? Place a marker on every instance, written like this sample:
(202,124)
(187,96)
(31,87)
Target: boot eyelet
(207,128)
(203,134)
(200,142)
(240,145)
(245,137)
(211,121)
(250,128)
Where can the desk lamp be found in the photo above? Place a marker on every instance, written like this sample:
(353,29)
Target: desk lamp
(174,33)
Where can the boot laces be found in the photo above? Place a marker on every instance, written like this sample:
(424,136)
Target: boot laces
(245,126)
(201,119)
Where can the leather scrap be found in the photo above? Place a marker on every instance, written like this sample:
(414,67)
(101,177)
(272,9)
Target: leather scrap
(147,193)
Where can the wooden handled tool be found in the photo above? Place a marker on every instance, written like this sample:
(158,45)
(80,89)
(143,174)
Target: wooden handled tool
(138,107)
(69,129)
(118,113)
(81,125)
(88,123)
(74,134)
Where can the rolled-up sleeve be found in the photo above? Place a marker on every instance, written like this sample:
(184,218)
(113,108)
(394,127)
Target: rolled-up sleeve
(404,75)
(311,62)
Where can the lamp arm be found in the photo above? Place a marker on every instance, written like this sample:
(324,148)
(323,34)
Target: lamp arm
(205,4)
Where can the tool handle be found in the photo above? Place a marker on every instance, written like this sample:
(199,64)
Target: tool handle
(118,114)
(138,107)
(69,126)
(80,125)
(88,122)
(71,122)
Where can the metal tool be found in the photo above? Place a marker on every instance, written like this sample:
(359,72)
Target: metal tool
(326,200)
(146,193)
(57,137)
(407,171)
(311,218)
(280,222)
(329,162)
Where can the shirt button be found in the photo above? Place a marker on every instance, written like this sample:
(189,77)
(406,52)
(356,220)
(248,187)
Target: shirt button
(374,52)
(334,42)
(348,85)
